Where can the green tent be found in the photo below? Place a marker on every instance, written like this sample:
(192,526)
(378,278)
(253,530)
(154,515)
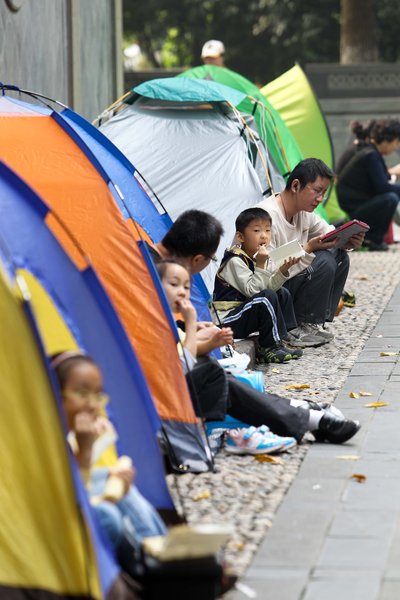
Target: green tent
(189,90)
(271,127)
(292,95)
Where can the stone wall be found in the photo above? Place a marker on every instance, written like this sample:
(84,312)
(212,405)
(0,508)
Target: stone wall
(349,92)
(69,50)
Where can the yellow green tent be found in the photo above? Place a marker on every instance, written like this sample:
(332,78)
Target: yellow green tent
(293,97)
(46,549)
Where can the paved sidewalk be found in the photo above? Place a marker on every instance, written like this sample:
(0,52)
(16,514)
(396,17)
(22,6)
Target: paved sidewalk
(333,537)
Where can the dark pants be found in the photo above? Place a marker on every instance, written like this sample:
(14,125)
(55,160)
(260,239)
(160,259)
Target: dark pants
(378,213)
(218,394)
(270,313)
(316,291)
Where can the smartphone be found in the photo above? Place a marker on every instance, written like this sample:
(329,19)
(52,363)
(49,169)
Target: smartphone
(345,232)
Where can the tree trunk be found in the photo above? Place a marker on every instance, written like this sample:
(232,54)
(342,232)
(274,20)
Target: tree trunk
(358,41)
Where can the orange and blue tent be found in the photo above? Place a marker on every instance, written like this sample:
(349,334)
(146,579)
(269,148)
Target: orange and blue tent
(142,210)
(73,311)
(40,145)
(50,547)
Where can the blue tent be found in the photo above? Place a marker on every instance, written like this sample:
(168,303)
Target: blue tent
(84,306)
(45,147)
(125,184)
(51,545)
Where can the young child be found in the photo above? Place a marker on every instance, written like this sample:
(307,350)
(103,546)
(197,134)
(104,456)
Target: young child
(216,393)
(249,297)
(122,514)
(125,521)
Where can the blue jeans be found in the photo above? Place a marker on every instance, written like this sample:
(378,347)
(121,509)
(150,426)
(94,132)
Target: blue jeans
(111,522)
(139,518)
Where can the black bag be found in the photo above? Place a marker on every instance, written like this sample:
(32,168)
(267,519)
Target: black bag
(194,579)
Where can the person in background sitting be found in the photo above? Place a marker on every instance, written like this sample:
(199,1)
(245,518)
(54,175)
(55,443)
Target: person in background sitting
(364,187)
(362,133)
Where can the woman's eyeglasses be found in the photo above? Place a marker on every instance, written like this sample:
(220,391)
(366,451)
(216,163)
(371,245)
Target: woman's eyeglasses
(86,395)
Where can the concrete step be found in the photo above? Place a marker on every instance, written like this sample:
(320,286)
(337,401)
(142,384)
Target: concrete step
(248,346)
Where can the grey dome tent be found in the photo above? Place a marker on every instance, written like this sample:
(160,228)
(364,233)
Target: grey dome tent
(195,149)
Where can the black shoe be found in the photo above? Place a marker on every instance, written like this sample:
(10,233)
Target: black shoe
(374,247)
(228,582)
(275,354)
(336,431)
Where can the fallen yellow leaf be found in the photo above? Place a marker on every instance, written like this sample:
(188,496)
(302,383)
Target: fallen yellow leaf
(233,545)
(376,404)
(358,477)
(297,386)
(365,393)
(202,495)
(275,371)
(268,458)
(348,457)
(354,395)
(389,353)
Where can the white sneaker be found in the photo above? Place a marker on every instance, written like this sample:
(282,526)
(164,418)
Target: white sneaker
(287,442)
(251,441)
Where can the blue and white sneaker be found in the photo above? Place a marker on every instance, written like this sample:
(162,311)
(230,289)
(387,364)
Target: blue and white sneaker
(251,441)
(287,442)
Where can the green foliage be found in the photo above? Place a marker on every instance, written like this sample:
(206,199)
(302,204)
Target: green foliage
(263,38)
(388,19)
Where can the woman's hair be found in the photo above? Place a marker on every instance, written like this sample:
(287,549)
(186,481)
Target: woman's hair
(162,266)
(362,131)
(385,130)
(63,362)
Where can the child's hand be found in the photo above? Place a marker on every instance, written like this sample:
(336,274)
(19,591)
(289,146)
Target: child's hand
(102,425)
(204,325)
(289,262)
(222,337)
(127,475)
(261,256)
(85,431)
(205,333)
(187,311)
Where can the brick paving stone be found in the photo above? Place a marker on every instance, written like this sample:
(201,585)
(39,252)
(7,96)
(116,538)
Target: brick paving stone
(242,486)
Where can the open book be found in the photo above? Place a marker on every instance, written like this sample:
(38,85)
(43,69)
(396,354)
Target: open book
(188,541)
(290,250)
